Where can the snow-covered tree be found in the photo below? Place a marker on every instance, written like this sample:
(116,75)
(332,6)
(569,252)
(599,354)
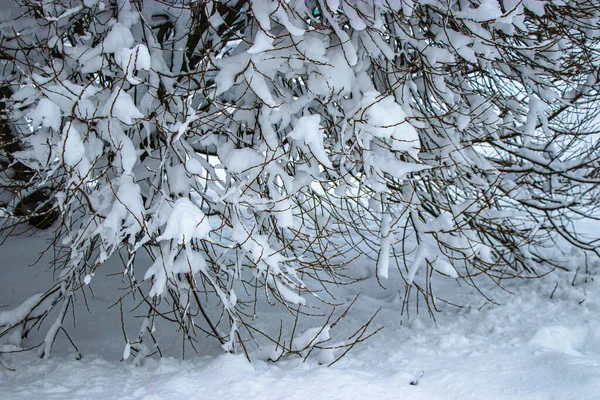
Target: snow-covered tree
(249,148)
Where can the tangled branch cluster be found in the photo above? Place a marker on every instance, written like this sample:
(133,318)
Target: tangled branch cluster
(234,150)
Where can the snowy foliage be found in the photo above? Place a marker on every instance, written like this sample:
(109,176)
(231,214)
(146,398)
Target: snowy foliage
(251,147)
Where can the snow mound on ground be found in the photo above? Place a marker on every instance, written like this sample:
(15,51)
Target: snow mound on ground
(561,339)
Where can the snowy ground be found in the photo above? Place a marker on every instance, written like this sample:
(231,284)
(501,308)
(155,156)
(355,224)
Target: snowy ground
(529,346)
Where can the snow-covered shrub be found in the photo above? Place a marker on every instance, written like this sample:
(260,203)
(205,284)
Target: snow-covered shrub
(248,146)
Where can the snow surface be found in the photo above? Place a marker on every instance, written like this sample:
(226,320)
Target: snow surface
(540,342)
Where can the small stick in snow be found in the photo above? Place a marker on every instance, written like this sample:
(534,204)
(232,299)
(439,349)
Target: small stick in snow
(415,381)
